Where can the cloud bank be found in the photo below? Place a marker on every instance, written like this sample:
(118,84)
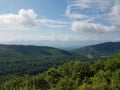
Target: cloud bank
(94,15)
(114,15)
(53,23)
(23,20)
(92,27)
(27,19)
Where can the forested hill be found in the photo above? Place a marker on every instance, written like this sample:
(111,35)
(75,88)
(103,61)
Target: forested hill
(18,60)
(32,50)
(99,50)
(75,75)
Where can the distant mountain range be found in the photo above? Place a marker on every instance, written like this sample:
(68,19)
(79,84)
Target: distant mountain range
(66,45)
(30,50)
(99,50)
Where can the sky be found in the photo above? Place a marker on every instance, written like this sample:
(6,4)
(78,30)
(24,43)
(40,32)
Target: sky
(59,20)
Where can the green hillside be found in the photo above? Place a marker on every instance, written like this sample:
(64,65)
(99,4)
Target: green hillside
(18,60)
(99,50)
(75,75)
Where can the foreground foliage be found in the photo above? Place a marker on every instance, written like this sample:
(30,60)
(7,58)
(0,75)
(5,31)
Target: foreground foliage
(75,75)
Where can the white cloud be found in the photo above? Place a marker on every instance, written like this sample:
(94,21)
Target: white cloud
(23,20)
(114,15)
(105,4)
(93,15)
(53,23)
(87,9)
(82,4)
(91,27)
(74,15)
(27,19)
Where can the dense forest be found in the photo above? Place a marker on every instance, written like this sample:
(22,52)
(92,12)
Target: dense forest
(75,75)
(83,68)
(18,60)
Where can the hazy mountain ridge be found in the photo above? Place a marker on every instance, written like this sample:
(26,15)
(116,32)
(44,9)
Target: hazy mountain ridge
(99,50)
(30,49)
(66,45)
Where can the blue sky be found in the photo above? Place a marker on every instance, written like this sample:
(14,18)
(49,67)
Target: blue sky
(65,20)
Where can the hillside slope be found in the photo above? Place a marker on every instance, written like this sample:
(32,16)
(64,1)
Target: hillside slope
(75,75)
(20,60)
(30,50)
(99,50)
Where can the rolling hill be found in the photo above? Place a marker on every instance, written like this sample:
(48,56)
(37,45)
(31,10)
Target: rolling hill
(18,60)
(99,50)
(30,50)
